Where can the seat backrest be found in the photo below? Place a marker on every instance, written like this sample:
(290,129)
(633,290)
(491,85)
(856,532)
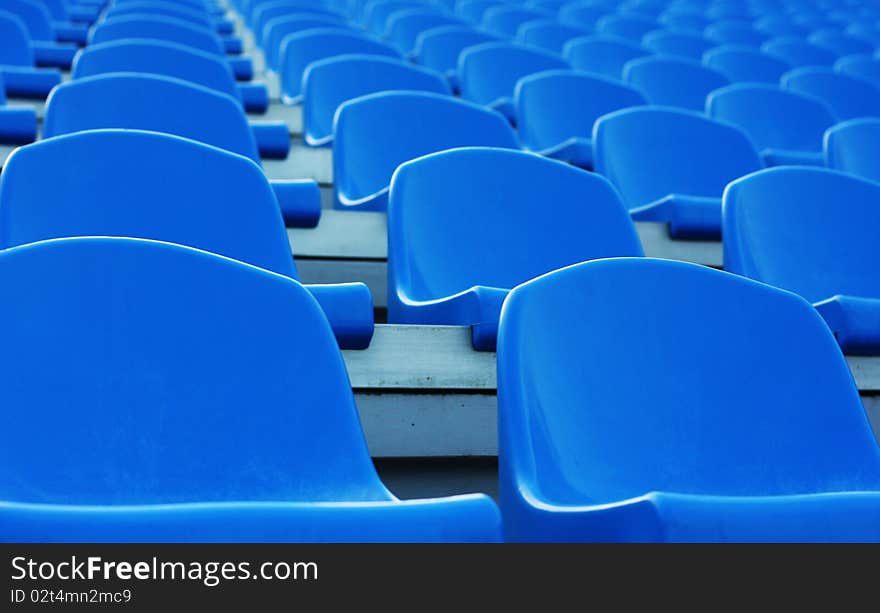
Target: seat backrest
(781,27)
(863,67)
(178,376)
(302,48)
(504,21)
(684,21)
(631,26)
(150,102)
(270,11)
(556,105)
(145,185)
(439,48)
(839,43)
(159,58)
(602,55)
(444,239)
(798,52)
(169,29)
(278,28)
(548,34)
(735,33)
(672,81)
(864,31)
(854,146)
(847,96)
(329,83)
(473,11)
(649,153)
(635,385)
(15,49)
(743,64)
(405,26)
(809,230)
(160,7)
(407,125)
(773,117)
(35,17)
(490,71)
(680,44)
(377,13)
(581,14)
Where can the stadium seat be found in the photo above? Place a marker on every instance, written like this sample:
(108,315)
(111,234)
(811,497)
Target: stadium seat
(688,23)
(556,111)
(17,125)
(173,106)
(405,26)
(690,46)
(672,165)
(268,12)
(602,55)
(153,56)
(548,34)
(18,64)
(812,231)
(785,126)
(473,11)
(376,133)
(377,13)
(865,31)
(439,49)
(581,14)
(745,64)
(735,33)
(38,22)
(207,198)
(199,352)
(278,29)
(330,82)
(847,96)
(504,21)
(301,49)
(854,146)
(488,73)
(840,44)
(671,81)
(863,67)
(780,27)
(455,253)
(631,27)
(627,417)
(171,9)
(798,52)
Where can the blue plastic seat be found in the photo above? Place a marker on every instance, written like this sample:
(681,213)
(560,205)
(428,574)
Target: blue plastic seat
(488,73)
(439,49)
(473,11)
(407,125)
(671,81)
(17,125)
(745,64)
(405,26)
(814,232)
(631,27)
(602,55)
(199,352)
(548,34)
(672,165)
(798,52)
(171,9)
(38,22)
(455,253)
(162,27)
(627,417)
(854,146)
(173,106)
(556,111)
(786,126)
(735,33)
(152,56)
(377,13)
(863,67)
(329,83)
(62,24)
(270,11)
(277,29)
(865,31)
(206,198)
(781,27)
(839,43)
(18,64)
(504,21)
(301,49)
(684,22)
(663,42)
(847,96)
(581,14)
